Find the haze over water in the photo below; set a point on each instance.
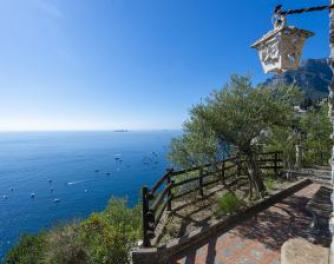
(72, 174)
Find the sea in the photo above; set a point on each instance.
(49, 178)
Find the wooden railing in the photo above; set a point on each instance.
(169, 187)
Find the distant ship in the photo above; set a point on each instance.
(121, 130)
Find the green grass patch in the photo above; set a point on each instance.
(270, 183)
(228, 204)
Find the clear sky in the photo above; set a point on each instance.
(136, 64)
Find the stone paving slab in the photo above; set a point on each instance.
(258, 240)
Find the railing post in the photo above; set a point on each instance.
(201, 182)
(169, 186)
(238, 160)
(146, 240)
(223, 172)
(275, 165)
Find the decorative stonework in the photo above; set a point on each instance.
(280, 49)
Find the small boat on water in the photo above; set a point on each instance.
(5, 197)
(32, 195)
(117, 157)
(56, 200)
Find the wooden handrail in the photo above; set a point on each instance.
(159, 198)
(159, 183)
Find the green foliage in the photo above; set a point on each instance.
(283, 139)
(238, 115)
(228, 204)
(197, 146)
(269, 182)
(314, 136)
(63, 245)
(109, 236)
(104, 237)
(317, 144)
(28, 250)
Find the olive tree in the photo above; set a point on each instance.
(239, 115)
(197, 146)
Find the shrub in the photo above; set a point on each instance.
(28, 250)
(110, 235)
(64, 246)
(104, 238)
(228, 204)
(269, 182)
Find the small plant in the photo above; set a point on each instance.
(269, 182)
(228, 204)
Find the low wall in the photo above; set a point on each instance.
(161, 254)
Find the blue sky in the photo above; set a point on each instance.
(107, 64)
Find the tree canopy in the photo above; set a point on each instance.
(317, 129)
(237, 116)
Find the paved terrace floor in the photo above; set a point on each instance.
(259, 239)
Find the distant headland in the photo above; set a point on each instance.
(121, 130)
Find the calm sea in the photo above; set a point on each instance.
(50, 177)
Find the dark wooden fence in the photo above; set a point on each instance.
(169, 187)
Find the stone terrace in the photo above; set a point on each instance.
(259, 239)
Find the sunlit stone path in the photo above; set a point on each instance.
(259, 239)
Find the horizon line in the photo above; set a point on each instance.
(118, 130)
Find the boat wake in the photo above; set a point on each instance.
(75, 182)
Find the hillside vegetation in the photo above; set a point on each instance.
(102, 238)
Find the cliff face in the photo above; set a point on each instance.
(313, 77)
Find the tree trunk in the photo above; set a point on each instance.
(250, 188)
(298, 157)
(255, 175)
